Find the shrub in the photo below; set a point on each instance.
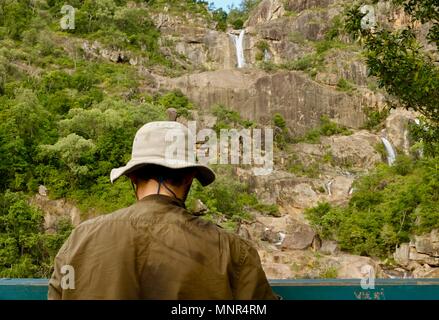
(329, 128)
(326, 128)
(237, 24)
(403, 165)
(375, 117)
(309, 63)
(281, 133)
(344, 85)
(176, 99)
(227, 119)
(279, 121)
(262, 46)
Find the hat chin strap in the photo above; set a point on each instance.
(161, 182)
(135, 191)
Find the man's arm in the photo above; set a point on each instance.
(55, 289)
(251, 282)
(99, 263)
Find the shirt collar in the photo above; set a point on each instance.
(163, 199)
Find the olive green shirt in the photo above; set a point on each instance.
(155, 249)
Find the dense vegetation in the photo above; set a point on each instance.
(392, 203)
(64, 123)
(388, 206)
(26, 249)
(66, 120)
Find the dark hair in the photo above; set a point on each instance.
(173, 176)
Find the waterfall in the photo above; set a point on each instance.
(239, 46)
(421, 150)
(267, 55)
(281, 238)
(391, 154)
(328, 187)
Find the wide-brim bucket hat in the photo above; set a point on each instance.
(167, 144)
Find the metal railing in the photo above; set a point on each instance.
(297, 289)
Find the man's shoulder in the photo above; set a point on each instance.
(120, 217)
(234, 239)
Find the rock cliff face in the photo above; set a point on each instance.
(289, 31)
(55, 210)
(257, 95)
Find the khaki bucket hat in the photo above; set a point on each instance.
(164, 143)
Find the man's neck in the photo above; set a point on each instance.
(146, 188)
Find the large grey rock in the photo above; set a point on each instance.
(397, 128)
(402, 254)
(279, 186)
(304, 196)
(286, 232)
(298, 236)
(342, 64)
(207, 49)
(329, 247)
(422, 250)
(300, 5)
(428, 244)
(426, 271)
(423, 258)
(351, 266)
(95, 50)
(254, 231)
(357, 150)
(54, 210)
(341, 186)
(277, 270)
(200, 207)
(266, 11)
(42, 191)
(272, 237)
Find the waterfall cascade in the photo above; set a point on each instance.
(239, 47)
(391, 154)
(281, 239)
(421, 150)
(328, 187)
(267, 55)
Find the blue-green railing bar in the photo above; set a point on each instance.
(297, 289)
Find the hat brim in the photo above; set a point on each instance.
(203, 174)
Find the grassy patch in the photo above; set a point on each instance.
(344, 85)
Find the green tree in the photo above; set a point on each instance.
(26, 251)
(220, 17)
(399, 61)
(15, 16)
